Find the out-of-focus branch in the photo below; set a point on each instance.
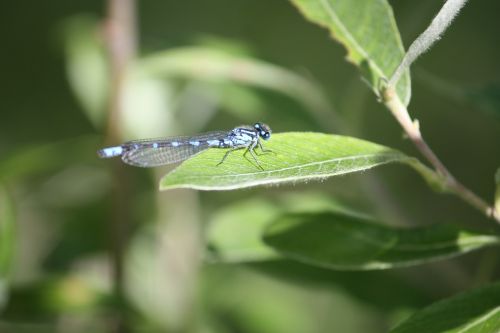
(120, 34)
(120, 38)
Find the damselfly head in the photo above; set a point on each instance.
(263, 130)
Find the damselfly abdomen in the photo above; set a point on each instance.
(156, 152)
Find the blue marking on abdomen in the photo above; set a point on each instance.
(213, 143)
(110, 152)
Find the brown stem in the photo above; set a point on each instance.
(120, 30)
(399, 111)
(120, 37)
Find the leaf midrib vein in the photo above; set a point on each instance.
(271, 172)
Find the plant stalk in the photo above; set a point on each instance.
(120, 39)
(412, 130)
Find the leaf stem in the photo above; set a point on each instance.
(412, 129)
(431, 35)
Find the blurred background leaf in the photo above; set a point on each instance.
(234, 233)
(341, 241)
(86, 64)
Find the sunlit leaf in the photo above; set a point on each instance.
(471, 312)
(368, 31)
(342, 241)
(294, 157)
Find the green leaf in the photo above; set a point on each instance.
(7, 240)
(368, 31)
(294, 157)
(471, 312)
(342, 241)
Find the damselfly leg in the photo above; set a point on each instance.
(250, 149)
(263, 150)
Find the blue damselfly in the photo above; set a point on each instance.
(156, 152)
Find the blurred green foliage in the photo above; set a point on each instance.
(57, 199)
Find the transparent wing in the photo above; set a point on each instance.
(152, 157)
(156, 152)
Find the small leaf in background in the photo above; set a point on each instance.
(471, 312)
(294, 157)
(234, 233)
(219, 67)
(7, 240)
(345, 242)
(147, 106)
(86, 65)
(368, 31)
